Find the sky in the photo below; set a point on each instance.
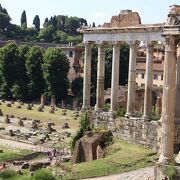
(98, 11)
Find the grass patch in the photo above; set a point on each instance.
(120, 157)
(58, 118)
(9, 154)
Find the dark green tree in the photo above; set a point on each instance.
(36, 22)
(93, 24)
(55, 71)
(45, 22)
(34, 71)
(4, 21)
(8, 57)
(47, 34)
(19, 88)
(71, 25)
(77, 89)
(23, 20)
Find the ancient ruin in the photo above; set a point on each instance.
(127, 27)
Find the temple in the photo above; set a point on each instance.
(126, 27)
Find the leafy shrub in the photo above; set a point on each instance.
(8, 173)
(106, 107)
(120, 112)
(84, 126)
(43, 174)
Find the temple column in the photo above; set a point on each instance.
(177, 106)
(115, 77)
(148, 82)
(132, 80)
(100, 77)
(87, 76)
(168, 101)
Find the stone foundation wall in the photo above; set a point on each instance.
(137, 131)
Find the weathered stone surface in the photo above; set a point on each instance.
(8, 104)
(7, 120)
(25, 166)
(29, 107)
(20, 122)
(65, 125)
(86, 147)
(40, 109)
(100, 153)
(35, 166)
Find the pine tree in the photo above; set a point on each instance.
(36, 22)
(24, 20)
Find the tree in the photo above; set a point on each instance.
(24, 20)
(47, 34)
(34, 71)
(4, 21)
(36, 22)
(77, 88)
(55, 70)
(93, 25)
(71, 25)
(45, 22)
(8, 57)
(19, 88)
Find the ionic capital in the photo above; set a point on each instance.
(134, 43)
(88, 43)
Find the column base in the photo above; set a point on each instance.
(128, 115)
(85, 108)
(98, 110)
(146, 118)
(161, 171)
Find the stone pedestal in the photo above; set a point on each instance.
(87, 76)
(115, 77)
(148, 82)
(53, 102)
(132, 80)
(168, 101)
(100, 77)
(42, 101)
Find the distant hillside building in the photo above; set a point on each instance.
(158, 65)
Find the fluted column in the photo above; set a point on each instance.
(177, 105)
(148, 82)
(100, 77)
(132, 79)
(115, 77)
(87, 76)
(168, 102)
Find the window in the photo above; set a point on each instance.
(161, 77)
(155, 77)
(70, 54)
(142, 76)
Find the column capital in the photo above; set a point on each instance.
(133, 43)
(88, 43)
(118, 43)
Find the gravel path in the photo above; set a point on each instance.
(141, 174)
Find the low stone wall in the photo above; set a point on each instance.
(137, 131)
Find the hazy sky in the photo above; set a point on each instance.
(98, 11)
